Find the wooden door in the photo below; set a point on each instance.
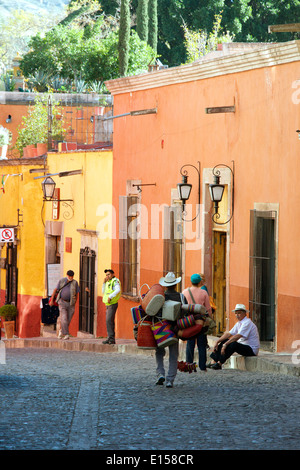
(219, 279)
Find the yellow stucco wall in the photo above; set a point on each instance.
(24, 193)
(89, 190)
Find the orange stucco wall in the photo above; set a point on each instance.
(260, 137)
(82, 127)
(16, 112)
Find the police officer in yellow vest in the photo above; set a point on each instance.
(111, 290)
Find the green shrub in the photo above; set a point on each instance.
(8, 312)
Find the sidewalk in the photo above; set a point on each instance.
(282, 363)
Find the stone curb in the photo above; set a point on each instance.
(264, 362)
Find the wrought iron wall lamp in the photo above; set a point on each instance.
(216, 190)
(48, 187)
(184, 188)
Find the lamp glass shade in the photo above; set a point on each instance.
(216, 192)
(48, 186)
(184, 191)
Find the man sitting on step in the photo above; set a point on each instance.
(243, 339)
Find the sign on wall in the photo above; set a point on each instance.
(55, 204)
(7, 235)
(53, 276)
(68, 247)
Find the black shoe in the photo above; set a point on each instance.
(108, 341)
(216, 366)
(209, 366)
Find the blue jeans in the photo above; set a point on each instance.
(201, 341)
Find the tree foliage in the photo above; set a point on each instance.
(66, 53)
(247, 20)
(153, 24)
(81, 13)
(60, 52)
(142, 20)
(124, 35)
(271, 12)
(200, 43)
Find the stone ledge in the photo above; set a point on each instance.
(264, 362)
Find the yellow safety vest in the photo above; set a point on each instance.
(109, 288)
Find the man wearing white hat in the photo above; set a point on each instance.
(243, 339)
(169, 281)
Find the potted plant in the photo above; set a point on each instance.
(79, 112)
(34, 127)
(5, 139)
(102, 104)
(71, 131)
(8, 312)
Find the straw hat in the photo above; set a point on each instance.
(169, 280)
(240, 307)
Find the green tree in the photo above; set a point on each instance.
(65, 52)
(124, 35)
(170, 46)
(140, 55)
(199, 43)
(264, 14)
(142, 20)
(60, 52)
(247, 20)
(153, 25)
(103, 64)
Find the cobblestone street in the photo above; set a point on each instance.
(61, 400)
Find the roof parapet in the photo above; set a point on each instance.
(266, 56)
